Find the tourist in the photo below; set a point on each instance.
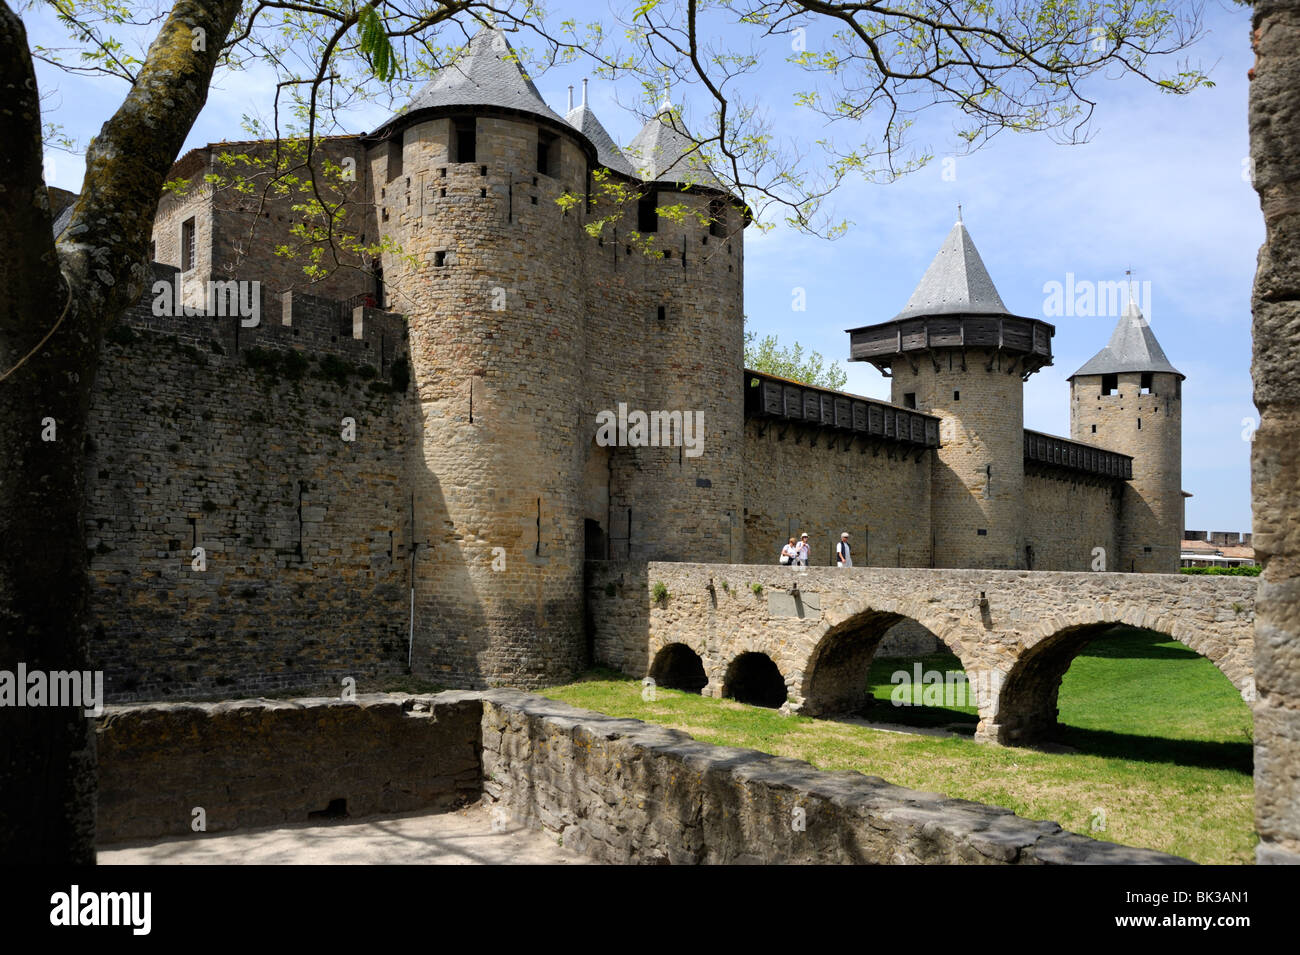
(842, 556)
(789, 552)
(803, 550)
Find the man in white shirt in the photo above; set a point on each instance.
(803, 550)
(842, 556)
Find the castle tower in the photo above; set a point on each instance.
(956, 352)
(488, 272)
(683, 303)
(1128, 398)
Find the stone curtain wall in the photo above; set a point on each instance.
(617, 789)
(1066, 516)
(305, 534)
(273, 763)
(880, 495)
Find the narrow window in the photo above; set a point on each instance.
(440, 258)
(379, 284)
(464, 137)
(548, 154)
(1146, 383)
(909, 400)
(395, 143)
(1109, 384)
(187, 245)
(717, 217)
(956, 396)
(663, 312)
(1094, 429)
(153, 252)
(1139, 424)
(647, 214)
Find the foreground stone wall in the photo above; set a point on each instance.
(617, 789)
(271, 763)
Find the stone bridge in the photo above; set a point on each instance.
(1016, 632)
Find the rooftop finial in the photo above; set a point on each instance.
(584, 91)
(570, 109)
(667, 105)
(959, 212)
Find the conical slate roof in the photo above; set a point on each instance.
(1132, 347)
(584, 121)
(664, 152)
(955, 283)
(485, 73)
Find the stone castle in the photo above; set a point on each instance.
(404, 467)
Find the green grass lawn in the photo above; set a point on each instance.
(1161, 740)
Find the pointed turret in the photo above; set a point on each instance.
(584, 121)
(955, 283)
(1132, 347)
(486, 72)
(664, 152)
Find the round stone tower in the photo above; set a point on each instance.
(1128, 398)
(488, 269)
(956, 352)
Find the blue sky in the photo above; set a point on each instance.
(1159, 189)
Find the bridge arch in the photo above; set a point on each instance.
(678, 667)
(1027, 700)
(835, 678)
(754, 678)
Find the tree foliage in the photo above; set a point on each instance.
(770, 357)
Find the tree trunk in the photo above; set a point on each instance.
(70, 293)
(1275, 465)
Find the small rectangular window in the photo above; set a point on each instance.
(1109, 384)
(663, 312)
(548, 154)
(440, 258)
(464, 140)
(956, 396)
(1146, 383)
(982, 532)
(395, 143)
(1094, 429)
(188, 245)
(647, 214)
(717, 217)
(909, 400)
(1139, 424)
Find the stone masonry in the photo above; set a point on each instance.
(1015, 632)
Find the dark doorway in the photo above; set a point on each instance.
(753, 678)
(678, 667)
(595, 544)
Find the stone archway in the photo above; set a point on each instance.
(836, 676)
(755, 679)
(1027, 700)
(678, 667)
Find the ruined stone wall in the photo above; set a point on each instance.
(275, 763)
(619, 790)
(1066, 516)
(205, 433)
(797, 483)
